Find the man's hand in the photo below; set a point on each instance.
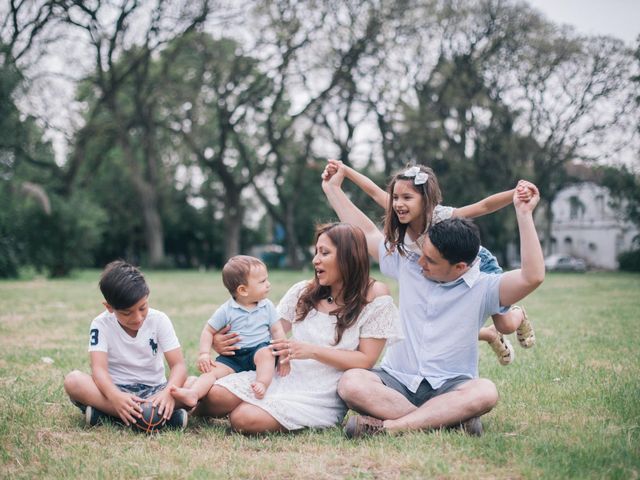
(224, 342)
(526, 197)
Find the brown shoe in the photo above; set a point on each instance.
(362, 425)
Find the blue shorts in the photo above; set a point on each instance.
(243, 361)
(488, 263)
(425, 391)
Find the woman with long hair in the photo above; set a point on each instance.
(340, 319)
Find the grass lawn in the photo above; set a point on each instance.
(570, 407)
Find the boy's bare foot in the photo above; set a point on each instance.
(259, 389)
(186, 396)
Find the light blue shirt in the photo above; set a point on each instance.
(253, 325)
(441, 321)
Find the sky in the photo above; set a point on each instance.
(618, 18)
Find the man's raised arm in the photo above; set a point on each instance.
(517, 284)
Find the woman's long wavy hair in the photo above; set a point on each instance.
(353, 261)
(394, 231)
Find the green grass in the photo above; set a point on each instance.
(569, 408)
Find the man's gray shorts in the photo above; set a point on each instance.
(424, 392)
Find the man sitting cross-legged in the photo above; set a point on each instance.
(430, 380)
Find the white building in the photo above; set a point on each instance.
(585, 226)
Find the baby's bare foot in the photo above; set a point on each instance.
(259, 389)
(185, 396)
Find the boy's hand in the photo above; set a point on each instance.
(224, 342)
(204, 362)
(165, 403)
(127, 406)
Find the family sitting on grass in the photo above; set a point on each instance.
(306, 362)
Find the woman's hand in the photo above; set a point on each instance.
(224, 342)
(290, 349)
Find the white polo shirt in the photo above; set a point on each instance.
(138, 359)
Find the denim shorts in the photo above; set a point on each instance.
(488, 263)
(139, 389)
(424, 392)
(243, 361)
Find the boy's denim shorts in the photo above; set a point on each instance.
(488, 263)
(139, 389)
(425, 391)
(243, 361)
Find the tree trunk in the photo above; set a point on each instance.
(233, 215)
(291, 241)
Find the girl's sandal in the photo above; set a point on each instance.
(503, 349)
(526, 335)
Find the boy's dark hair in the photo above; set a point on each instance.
(457, 239)
(122, 285)
(236, 271)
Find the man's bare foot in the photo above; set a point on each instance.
(186, 396)
(259, 389)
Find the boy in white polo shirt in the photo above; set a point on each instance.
(128, 344)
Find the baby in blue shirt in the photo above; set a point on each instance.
(254, 318)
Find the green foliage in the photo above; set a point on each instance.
(624, 187)
(65, 238)
(629, 261)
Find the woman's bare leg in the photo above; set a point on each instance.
(249, 419)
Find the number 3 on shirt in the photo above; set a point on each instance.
(94, 336)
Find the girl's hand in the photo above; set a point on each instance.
(224, 342)
(204, 362)
(289, 349)
(165, 403)
(526, 206)
(128, 407)
(525, 190)
(333, 173)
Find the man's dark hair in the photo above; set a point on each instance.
(122, 285)
(457, 239)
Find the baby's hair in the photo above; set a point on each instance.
(122, 285)
(394, 231)
(236, 271)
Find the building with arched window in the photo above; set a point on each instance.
(586, 226)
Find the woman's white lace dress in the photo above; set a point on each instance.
(308, 397)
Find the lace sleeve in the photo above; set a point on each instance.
(287, 305)
(380, 319)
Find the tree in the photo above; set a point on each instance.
(125, 85)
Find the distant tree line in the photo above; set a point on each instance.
(202, 127)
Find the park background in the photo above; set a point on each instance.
(175, 134)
